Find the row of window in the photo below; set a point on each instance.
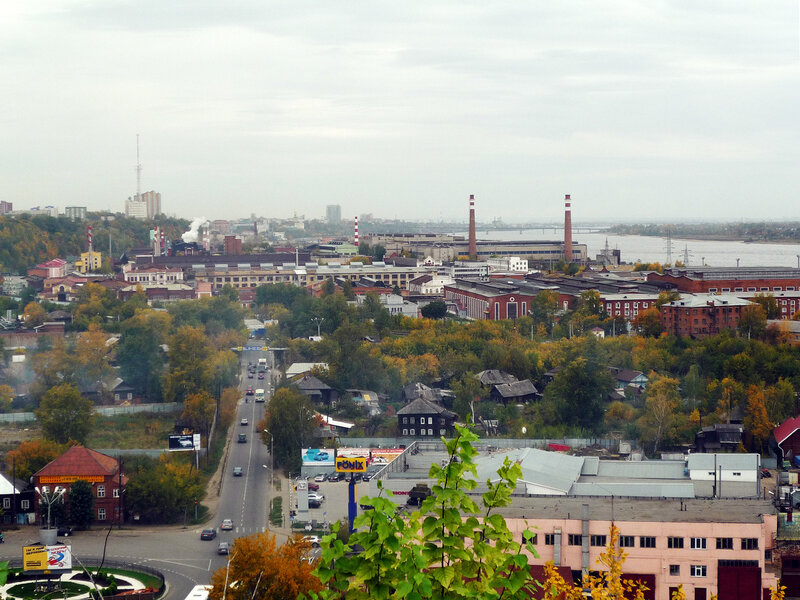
(101, 491)
(413, 431)
(751, 289)
(23, 504)
(647, 541)
(421, 420)
(694, 570)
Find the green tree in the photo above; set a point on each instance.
(199, 410)
(666, 297)
(769, 304)
(161, 491)
(81, 503)
(434, 310)
(291, 423)
(188, 354)
(753, 322)
(578, 393)
(779, 400)
(660, 406)
(140, 354)
(65, 415)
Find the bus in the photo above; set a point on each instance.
(259, 395)
(199, 592)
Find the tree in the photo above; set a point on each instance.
(264, 571)
(756, 420)
(161, 491)
(91, 358)
(291, 423)
(65, 415)
(140, 354)
(6, 397)
(81, 503)
(434, 310)
(32, 455)
(661, 403)
(666, 297)
(578, 392)
(199, 410)
(779, 400)
(189, 352)
(34, 315)
(753, 321)
(648, 323)
(769, 304)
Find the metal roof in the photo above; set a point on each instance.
(707, 462)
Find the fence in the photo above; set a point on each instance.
(106, 411)
(500, 443)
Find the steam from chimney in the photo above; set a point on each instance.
(193, 233)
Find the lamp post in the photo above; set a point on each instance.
(271, 460)
(318, 321)
(49, 499)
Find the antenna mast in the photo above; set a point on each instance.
(138, 171)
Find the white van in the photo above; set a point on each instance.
(259, 395)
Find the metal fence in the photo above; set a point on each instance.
(106, 411)
(436, 444)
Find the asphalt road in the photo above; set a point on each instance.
(178, 552)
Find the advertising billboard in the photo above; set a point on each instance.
(189, 441)
(317, 457)
(47, 559)
(352, 452)
(383, 456)
(351, 464)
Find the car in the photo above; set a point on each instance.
(249, 375)
(320, 477)
(64, 531)
(223, 548)
(765, 473)
(242, 438)
(261, 376)
(238, 471)
(313, 486)
(227, 525)
(336, 476)
(249, 392)
(321, 456)
(314, 540)
(316, 496)
(243, 422)
(208, 534)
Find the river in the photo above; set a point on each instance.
(639, 248)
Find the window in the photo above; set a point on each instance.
(115, 493)
(647, 541)
(597, 540)
(549, 539)
(101, 514)
(442, 432)
(534, 539)
(726, 289)
(413, 432)
(101, 491)
(698, 543)
(405, 420)
(675, 570)
(712, 290)
(724, 543)
(749, 543)
(405, 431)
(674, 542)
(697, 570)
(7, 505)
(430, 431)
(430, 420)
(575, 539)
(627, 541)
(738, 289)
(25, 505)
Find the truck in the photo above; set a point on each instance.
(259, 395)
(262, 362)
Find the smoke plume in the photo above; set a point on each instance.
(191, 235)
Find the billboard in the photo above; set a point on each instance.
(317, 457)
(189, 441)
(352, 452)
(49, 559)
(383, 456)
(351, 464)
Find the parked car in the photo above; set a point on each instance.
(336, 476)
(313, 486)
(208, 534)
(314, 540)
(312, 503)
(64, 531)
(320, 477)
(227, 525)
(238, 471)
(316, 496)
(223, 548)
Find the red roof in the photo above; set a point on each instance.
(56, 262)
(786, 429)
(79, 461)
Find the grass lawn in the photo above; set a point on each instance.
(135, 430)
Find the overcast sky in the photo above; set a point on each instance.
(641, 109)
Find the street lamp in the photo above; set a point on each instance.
(49, 499)
(318, 321)
(271, 460)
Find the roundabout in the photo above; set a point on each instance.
(78, 585)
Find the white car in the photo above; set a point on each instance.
(314, 540)
(243, 422)
(320, 477)
(227, 525)
(316, 496)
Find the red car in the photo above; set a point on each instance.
(249, 392)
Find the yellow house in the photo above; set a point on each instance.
(88, 262)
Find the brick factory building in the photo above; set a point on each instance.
(729, 280)
(702, 316)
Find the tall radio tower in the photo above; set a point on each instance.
(138, 171)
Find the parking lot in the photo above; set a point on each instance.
(334, 506)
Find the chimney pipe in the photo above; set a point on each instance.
(568, 258)
(473, 242)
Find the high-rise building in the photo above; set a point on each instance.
(333, 214)
(144, 206)
(233, 245)
(6, 207)
(76, 213)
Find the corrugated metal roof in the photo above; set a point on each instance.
(545, 469)
(639, 489)
(649, 469)
(707, 462)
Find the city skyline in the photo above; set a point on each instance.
(640, 112)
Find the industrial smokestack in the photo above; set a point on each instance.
(156, 242)
(89, 236)
(568, 258)
(355, 236)
(473, 241)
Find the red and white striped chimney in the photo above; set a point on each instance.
(473, 240)
(568, 257)
(355, 237)
(89, 236)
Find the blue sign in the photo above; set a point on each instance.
(254, 348)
